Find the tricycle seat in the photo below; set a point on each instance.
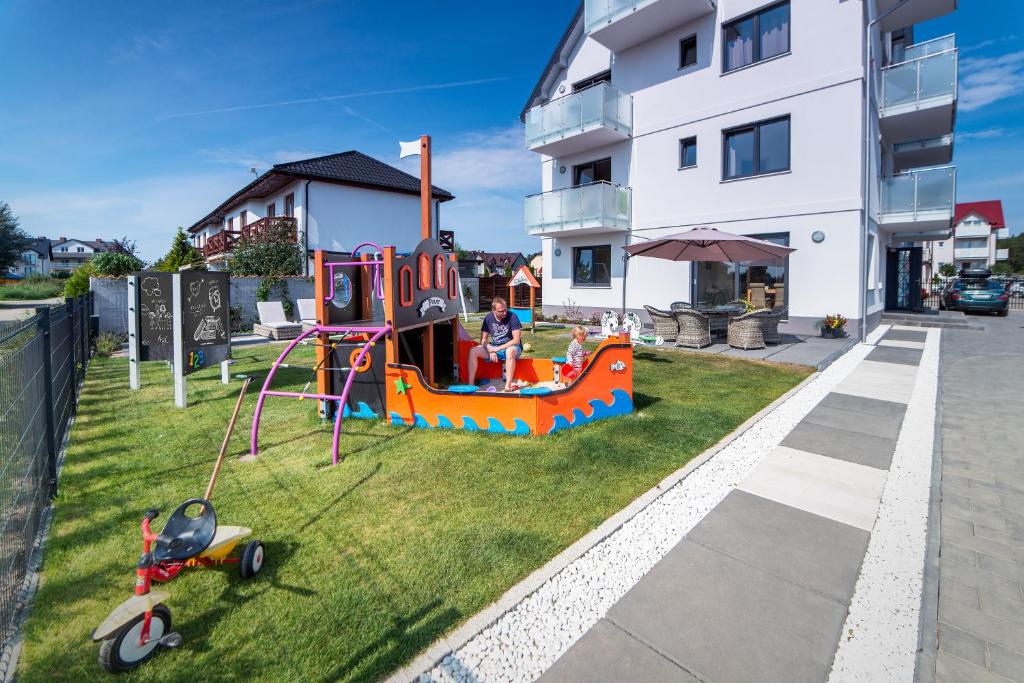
(186, 536)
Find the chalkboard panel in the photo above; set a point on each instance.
(205, 319)
(156, 335)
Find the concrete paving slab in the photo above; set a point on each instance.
(724, 620)
(887, 426)
(901, 344)
(607, 653)
(865, 406)
(894, 390)
(913, 334)
(889, 354)
(864, 449)
(837, 490)
(884, 370)
(804, 548)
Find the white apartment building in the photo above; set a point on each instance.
(977, 227)
(34, 259)
(333, 202)
(656, 116)
(68, 253)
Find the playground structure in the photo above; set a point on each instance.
(389, 345)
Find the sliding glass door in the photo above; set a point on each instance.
(765, 284)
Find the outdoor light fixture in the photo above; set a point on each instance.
(818, 236)
(558, 252)
(561, 169)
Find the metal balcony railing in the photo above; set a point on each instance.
(600, 106)
(597, 205)
(928, 191)
(927, 74)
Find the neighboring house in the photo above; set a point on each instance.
(536, 262)
(977, 227)
(333, 202)
(69, 253)
(34, 259)
(497, 262)
(655, 117)
(471, 266)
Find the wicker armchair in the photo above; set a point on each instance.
(665, 325)
(681, 305)
(770, 325)
(744, 331)
(757, 295)
(694, 328)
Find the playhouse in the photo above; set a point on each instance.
(389, 345)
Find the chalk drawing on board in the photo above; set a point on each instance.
(193, 289)
(151, 286)
(209, 329)
(215, 297)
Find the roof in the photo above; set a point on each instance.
(96, 245)
(346, 168)
(40, 245)
(556, 60)
(991, 210)
(498, 256)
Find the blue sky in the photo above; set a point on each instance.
(133, 118)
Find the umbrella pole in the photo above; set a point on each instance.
(625, 268)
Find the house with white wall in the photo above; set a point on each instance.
(653, 117)
(332, 202)
(34, 259)
(68, 253)
(977, 228)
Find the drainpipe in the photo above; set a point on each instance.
(866, 123)
(305, 230)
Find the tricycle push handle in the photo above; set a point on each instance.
(151, 514)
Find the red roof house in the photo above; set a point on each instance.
(991, 211)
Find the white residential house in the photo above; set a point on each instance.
(333, 202)
(653, 117)
(69, 253)
(34, 259)
(978, 227)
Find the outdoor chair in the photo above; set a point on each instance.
(694, 328)
(770, 325)
(307, 313)
(665, 325)
(273, 324)
(744, 331)
(780, 298)
(680, 305)
(757, 295)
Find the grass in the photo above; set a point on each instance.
(33, 288)
(368, 562)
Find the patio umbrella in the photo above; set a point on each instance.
(709, 244)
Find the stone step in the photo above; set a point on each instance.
(930, 321)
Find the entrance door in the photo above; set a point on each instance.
(903, 279)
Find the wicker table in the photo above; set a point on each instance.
(718, 316)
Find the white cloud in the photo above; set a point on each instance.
(261, 162)
(984, 80)
(985, 134)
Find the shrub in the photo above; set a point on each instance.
(34, 287)
(108, 342)
(116, 264)
(78, 283)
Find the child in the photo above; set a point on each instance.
(576, 354)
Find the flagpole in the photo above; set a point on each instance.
(425, 192)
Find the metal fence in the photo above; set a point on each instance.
(932, 293)
(42, 363)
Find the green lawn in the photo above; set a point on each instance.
(368, 562)
(33, 288)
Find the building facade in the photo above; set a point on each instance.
(977, 228)
(654, 117)
(333, 203)
(67, 254)
(34, 259)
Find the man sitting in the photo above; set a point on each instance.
(500, 340)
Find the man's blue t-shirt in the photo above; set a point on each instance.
(500, 332)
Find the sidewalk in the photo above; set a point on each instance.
(760, 589)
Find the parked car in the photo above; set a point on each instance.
(976, 290)
(1016, 289)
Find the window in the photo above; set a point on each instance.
(29, 257)
(80, 250)
(941, 244)
(271, 210)
(603, 77)
(63, 248)
(592, 172)
(241, 218)
(688, 152)
(289, 205)
(687, 52)
(756, 149)
(592, 266)
(717, 283)
(231, 224)
(756, 37)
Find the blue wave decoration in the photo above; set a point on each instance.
(493, 424)
(420, 421)
(521, 428)
(397, 420)
(621, 404)
(444, 423)
(365, 412)
(469, 424)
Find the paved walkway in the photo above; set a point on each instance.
(761, 588)
(980, 629)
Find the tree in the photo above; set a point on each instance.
(13, 239)
(181, 254)
(272, 252)
(947, 270)
(115, 264)
(124, 246)
(1002, 268)
(1015, 245)
(78, 283)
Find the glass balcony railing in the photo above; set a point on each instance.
(1002, 254)
(928, 191)
(597, 205)
(601, 12)
(929, 73)
(599, 106)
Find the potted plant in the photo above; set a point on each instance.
(834, 326)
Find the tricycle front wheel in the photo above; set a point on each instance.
(252, 560)
(122, 651)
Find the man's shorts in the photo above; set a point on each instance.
(519, 352)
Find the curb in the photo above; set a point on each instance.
(449, 643)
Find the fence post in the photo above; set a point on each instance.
(51, 446)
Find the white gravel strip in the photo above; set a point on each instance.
(880, 638)
(523, 642)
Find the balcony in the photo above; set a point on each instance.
(919, 94)
(919, 153)
(970, 253)
(1002, 254)
(912, 12)
(593, 117)
(621, 24)
(597, 207)
(223, 242)
(919, 204)
(973, 230)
